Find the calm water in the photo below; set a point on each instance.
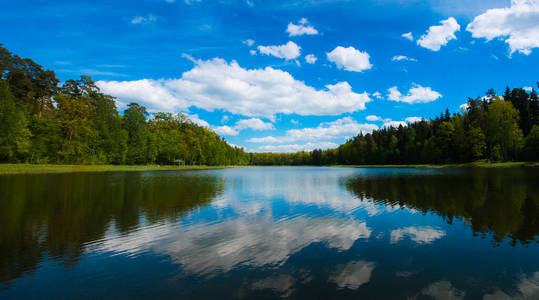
(298, 232)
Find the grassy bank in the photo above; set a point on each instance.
(480, 164)
(31, 168)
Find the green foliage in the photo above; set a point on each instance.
(14, 132)
(77, 124)
(502, 128)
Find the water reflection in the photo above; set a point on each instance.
(503, 202)
(55, 216)
(272, 232)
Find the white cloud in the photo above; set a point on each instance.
(402, 57)
(225, 130)
(143, 20)
(350, 59)
(408, 36)
(464, 106)
(373, 118)
(217, 84)
(310, 58)
(420, 235)
(528, 89)
(353, 274)
(225, 118)
(413, 119)
(254, 124)
(287, 51)
(195, 119)
(294, 122)
(297, 147)
(301, 28)
(518, 25)
(252, 52)
(249, 42)
(377, 95)
(391, 123)
(341, 128)
(153, 94)
(439, 35)
(417, 94)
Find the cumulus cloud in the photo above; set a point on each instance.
(225, 130)
(341, 128)
(417, 94)
(517, 25)
(408, 36)
(377, 95)
(391, 123)
(373, 118)
(310, 59)
(350, 59)
(195, 119)
(439, 35)
(249, 42)
(301, 28)
(528, 89)
(413, 119)
(143, 19)
(254, 124)
(288, 148)
(402, 57)
(217, 84)
(287, 51)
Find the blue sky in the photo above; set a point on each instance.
(247, 69)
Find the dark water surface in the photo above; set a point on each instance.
(254, 233)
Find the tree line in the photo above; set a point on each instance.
(492, 128)
(43, 122)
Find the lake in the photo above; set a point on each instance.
(272, 232)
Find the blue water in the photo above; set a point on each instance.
(272, 232)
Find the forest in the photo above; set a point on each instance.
(491, 128)
(42, 122)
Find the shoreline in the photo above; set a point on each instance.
(462, 165)
(10, 169)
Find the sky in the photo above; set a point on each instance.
(282, 76)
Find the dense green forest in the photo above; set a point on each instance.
(42, 121)
(491, 128)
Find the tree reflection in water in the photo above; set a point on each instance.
(55, 216)
(504, 202)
